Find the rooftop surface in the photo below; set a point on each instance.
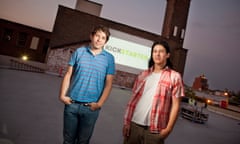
(30, 113)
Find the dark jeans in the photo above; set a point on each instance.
(79, 122)
(142, 135)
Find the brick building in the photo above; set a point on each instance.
(17, 40)
(200, 83)
(73, 26)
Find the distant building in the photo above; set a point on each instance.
(17, 40)
(213, 99)
(200, 83)
(72, 28)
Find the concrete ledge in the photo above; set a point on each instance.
(11, 62)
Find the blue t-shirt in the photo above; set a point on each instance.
(89, 74)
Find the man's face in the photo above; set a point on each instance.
(160, 55)
(98, 40)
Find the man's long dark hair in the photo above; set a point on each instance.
(166, 46)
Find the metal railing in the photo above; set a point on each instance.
(19, 65)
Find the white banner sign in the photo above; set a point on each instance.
(128, 53)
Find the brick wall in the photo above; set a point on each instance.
(58, 58)
(124, 79)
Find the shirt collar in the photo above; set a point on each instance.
(103, 52)
(150, 70)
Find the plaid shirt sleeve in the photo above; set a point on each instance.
(178, 86)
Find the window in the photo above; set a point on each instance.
(45, 46)
(182, 34)
(175, 31)
(34, 43)
(7, 34)
(22, 39)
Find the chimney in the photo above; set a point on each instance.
(89, 7)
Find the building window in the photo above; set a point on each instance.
(45, 46)
(34, 43)
(7, 34)
(182, 34)
(175, 31)
(22, 39)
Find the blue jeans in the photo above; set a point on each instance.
(79, 122)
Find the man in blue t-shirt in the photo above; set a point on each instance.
(86, 86)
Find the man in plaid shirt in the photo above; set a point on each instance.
(153, 109)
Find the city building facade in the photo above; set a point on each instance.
(72, 28)
(19, 40)
(200, 83)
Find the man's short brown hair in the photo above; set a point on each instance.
(103, 29)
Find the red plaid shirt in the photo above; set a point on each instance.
(170, 85)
